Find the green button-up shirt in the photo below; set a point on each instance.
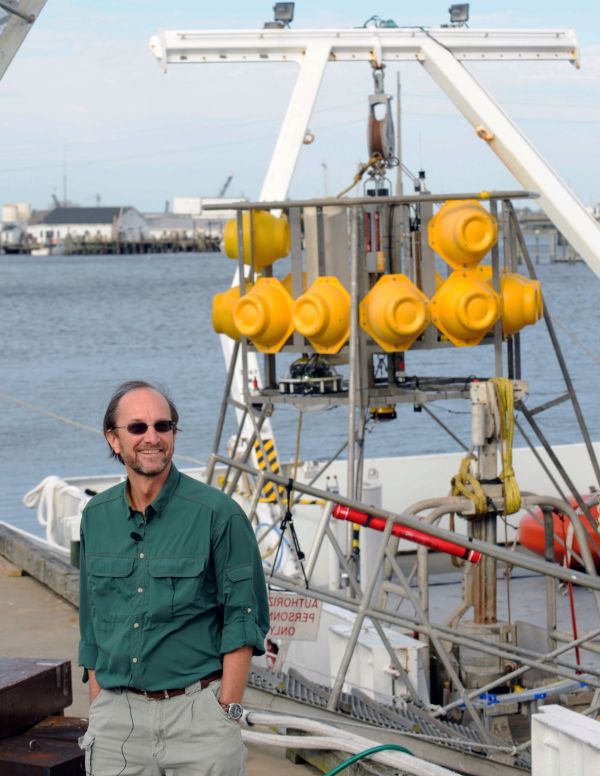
(161, 611)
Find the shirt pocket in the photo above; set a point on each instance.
(110, 584)
(176, 587)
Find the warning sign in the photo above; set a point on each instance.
(294, 617)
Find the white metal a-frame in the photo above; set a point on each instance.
(16, 19)
(441, 52)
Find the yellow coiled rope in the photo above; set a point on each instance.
(506, 406)
(466, 484)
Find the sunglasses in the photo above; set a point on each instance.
(138, 428)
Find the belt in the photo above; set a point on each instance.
(161, 695)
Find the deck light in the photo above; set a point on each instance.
(459, 13)
(283, 14)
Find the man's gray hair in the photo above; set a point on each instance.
(110, 416)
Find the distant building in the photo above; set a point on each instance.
(13, 225)
(211, 222)
(89, 223)
(170, 226)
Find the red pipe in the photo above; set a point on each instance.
(402, 531)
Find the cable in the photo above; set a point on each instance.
(76, 423)
(367, 752)
(361, 171)
(127, 737)
(576, 339)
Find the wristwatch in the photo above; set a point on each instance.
(233, 710)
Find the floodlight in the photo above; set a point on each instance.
(284, 12)
(459, 13)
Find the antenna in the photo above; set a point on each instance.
(64, 197)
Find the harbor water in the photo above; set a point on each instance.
(74, 327)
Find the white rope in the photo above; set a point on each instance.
(331, 737)
(45, 496)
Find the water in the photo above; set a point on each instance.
(73, 327)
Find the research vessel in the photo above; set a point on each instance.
(402, 602)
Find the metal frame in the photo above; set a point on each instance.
(366, 601)
(371, 598)
(20, 20)
(441, 52)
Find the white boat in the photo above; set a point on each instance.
(452, 662)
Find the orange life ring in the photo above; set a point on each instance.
(531, 534)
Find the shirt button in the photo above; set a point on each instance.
(140, 589)
(134, 660)
(136, 625)
(141, 555)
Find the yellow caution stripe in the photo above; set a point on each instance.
(268, 461)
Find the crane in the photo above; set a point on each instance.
(225, 186)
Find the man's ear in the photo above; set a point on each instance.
(113, 441)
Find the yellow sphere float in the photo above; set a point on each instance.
(322, 315)
(462, 232)
(222, 311)
(264, 315)
(522, 302)
(394, 313)
(466, 307)
(271, 238)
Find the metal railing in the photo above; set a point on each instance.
(362, 598)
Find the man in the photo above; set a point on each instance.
(172, 606)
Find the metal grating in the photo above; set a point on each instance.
(357, 705)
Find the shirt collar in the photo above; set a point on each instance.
(167, 491)
(163, 498)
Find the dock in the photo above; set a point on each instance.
(38, 623)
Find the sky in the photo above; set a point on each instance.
(84, 95)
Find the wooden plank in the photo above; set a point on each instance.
(40, 562)
(8, 569)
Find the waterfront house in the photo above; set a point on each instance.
(89, 224)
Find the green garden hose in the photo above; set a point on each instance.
(355, 758)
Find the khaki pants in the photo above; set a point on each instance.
(190, 735)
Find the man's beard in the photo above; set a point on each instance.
(138, 466)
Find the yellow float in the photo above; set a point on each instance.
(271, 238)
(222, 311)
(462, 232)
(394, 313)
(264, 315)
(466, 307)
(322, 315)
(522, 300)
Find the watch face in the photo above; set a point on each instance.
(235, 711)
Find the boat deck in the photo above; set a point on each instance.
(37, 623)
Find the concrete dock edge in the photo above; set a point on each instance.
(40, 562)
